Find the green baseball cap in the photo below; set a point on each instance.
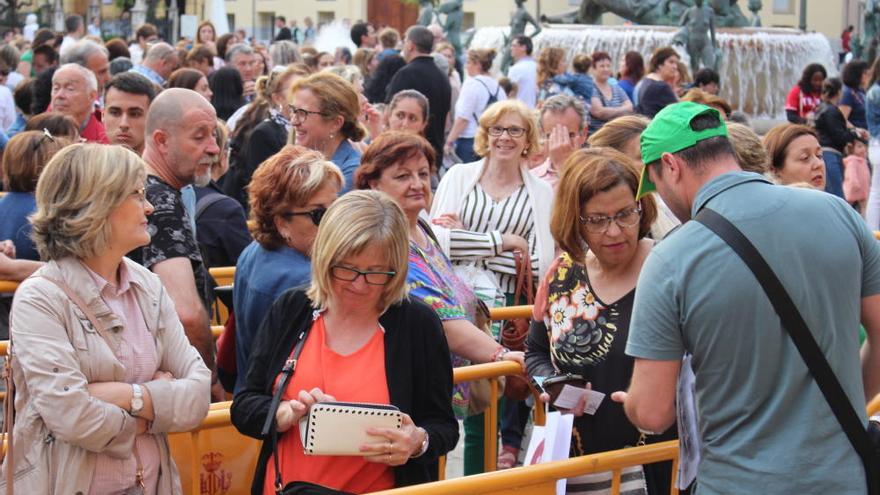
(670, 132)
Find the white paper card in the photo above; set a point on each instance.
(594, 400)
(569, 397)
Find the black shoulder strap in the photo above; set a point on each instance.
(809, 349)
(269, 425)
(428, 230)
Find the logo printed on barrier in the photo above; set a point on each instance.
(216, 481)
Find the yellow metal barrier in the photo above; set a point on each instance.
(541, 479)
(877, 234)
(8, 286)
(223, 276)
(510, 312)
(222, 457)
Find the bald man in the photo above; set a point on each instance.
(179, 150)
(74, 89)
(159, 62)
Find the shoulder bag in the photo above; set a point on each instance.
(515, 331)
(865, 442)
(270, 430)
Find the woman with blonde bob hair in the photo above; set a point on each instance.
(324, 110)
(365, 342)
(289, 195)
(486, 210)
(584, 303)
(106, 399)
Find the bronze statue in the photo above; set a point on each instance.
(452, 26)
(755, 7)
(518, 23)
(698, 35)
(650, 12)
(426, 12)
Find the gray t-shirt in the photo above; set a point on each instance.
(763, 423)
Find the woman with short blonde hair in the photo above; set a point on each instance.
(365, 342)
(325, 111)
(487, 210)
(622, 134)
(120, 393)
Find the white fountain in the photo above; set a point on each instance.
(758, 65)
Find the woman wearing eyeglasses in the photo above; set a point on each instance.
(485, 210)
(324, 111)
(584, 303)
(366, 341)
(289, 194)
(398, 164)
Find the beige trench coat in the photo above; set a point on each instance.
(59, 427)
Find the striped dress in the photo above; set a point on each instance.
(484, 221)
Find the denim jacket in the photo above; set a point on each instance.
(872, 110)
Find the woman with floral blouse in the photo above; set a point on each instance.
(584, 303)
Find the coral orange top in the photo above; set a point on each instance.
(357, 377)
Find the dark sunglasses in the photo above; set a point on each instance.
(316, 215)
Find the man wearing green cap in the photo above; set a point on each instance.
(763, 423)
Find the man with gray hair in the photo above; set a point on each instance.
(159, 62)
(421, 74)
(179, 150)
(564, 130)
(92, 56)
(74, 89)
(242, 58)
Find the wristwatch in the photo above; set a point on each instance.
(424, 447)
(137, 399)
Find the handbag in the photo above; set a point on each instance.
(515, 331)
(270, 430)
(865, 442)
(340, 428)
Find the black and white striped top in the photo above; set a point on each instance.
(485, 220)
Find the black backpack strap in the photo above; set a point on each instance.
(491, 96)
(797, 329)
(206, 201)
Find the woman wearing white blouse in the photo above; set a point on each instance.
(485, 210)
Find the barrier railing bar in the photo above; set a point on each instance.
(551, 471)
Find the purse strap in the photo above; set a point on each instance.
(269, 426)
(524, 282)
(797, 329)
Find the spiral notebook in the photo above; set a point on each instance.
(340, 428)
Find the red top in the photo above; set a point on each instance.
(94, 131)
(803, 104)
(357, 377)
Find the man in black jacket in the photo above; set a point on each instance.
(420, 73)
(283, 31)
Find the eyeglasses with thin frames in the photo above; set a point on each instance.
(301, 114)
(316, 215)
(141, 195)
(512, 131)
(347, 274)
(598, 224)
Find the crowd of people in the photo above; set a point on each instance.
(374, 204)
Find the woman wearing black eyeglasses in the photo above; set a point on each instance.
(365, 342)
(324, 111)
(584, 303)
(289, 194)
(484, 211)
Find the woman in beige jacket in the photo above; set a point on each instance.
(102, 367)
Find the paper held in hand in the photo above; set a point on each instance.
(570, 396)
